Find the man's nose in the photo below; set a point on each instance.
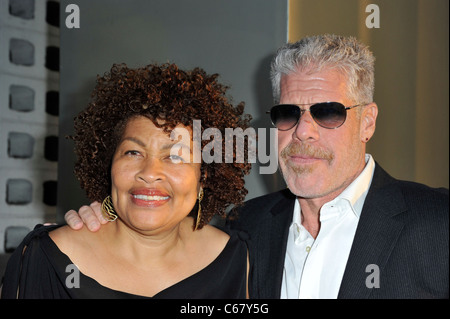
(306, 128)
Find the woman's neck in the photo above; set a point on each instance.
(154, 246)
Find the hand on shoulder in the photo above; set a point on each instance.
(91, 216)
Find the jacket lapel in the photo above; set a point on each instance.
(376, 235)
(274, 239)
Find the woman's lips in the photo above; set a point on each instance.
(149, 197)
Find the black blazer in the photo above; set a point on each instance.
(403, 229)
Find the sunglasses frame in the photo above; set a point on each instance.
(302, 111)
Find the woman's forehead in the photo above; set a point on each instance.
(143, 129)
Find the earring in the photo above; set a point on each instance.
(108, 209)
(199, 212)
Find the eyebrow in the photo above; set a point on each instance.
(167, 146)
(132, 139)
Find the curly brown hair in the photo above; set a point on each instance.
(175, 96)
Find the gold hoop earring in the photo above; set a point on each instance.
(199, 212)
(108, 209)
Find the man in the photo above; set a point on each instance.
(344, 228)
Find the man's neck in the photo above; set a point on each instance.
(310, 207)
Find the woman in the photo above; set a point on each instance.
(158, 199)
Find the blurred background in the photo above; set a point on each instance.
(49, 61)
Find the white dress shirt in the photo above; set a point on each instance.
(314, 268)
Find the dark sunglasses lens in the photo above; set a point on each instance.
(329, 115)
(285, 117)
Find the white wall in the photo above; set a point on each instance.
(24, 122)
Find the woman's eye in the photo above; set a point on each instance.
(132, 153)
(176, 159)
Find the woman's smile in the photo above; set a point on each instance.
(149, 197)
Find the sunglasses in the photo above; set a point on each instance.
(329, 115)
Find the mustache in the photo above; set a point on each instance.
(296, 148)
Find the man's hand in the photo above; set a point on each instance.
(90, 215)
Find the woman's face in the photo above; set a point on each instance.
(152, 190)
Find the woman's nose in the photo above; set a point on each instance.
(151, 170)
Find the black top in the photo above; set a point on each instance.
(45, 272)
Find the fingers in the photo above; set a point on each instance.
(97, 208)
(73, 220)
(90, 215)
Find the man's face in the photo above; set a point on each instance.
(317, 162)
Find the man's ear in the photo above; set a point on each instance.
(368, 121)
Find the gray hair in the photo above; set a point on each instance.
(312, 54)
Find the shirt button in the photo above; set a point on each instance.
(308, 248)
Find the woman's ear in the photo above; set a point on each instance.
(368, 121)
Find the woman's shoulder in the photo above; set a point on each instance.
(65, 235)
(219, 241)
(209, 240)
(226, 234)
(215, 234)
(73, 242)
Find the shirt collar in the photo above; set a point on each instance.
(356, 192)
